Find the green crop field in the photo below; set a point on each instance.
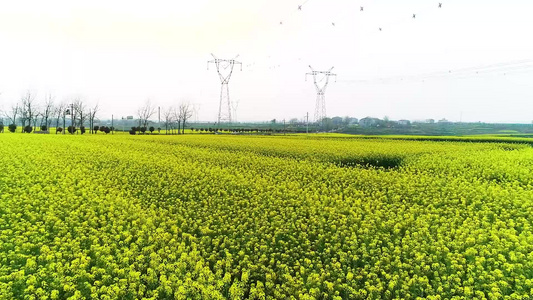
(264, 217)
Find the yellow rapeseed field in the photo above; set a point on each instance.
(264, 217)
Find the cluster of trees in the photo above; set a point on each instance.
(75, 116)
(32, 114)
(175, 118)
(143, 129)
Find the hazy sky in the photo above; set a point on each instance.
(120, 53)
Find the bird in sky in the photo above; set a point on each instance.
(414, 16)
(440, 5)
(361, 8)
(299, 7)
(333, 24)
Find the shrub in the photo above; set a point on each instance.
(28, 129)
(142, 129)
(59, 129)
(152, 128)
(1, 127)
(82, 129)
(71, 129)
(102, 128)
(96, 128)
(12, 127)
(132, 132)
(107, 130)
(44, 127)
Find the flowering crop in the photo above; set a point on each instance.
(243, 217)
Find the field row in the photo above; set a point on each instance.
(214, 217)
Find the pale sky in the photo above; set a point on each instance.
(120, 53)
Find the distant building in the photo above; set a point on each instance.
(369, 122)
(404, 122)
(444, 121)
(430, 121)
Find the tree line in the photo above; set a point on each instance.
(73, 116)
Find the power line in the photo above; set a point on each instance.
(502, 68)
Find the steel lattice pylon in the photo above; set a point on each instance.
(224, 70)
(321, 84)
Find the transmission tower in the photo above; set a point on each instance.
(321, 84)
(224, 70)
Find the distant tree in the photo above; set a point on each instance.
(107, 130)
(145, 113)
(44, 128)
(142, 129)
(152, 128)
(82, 129)
(92, 117)
(102, 128)
(12, 114)
(95, 129)
(80, 111)
(59, 129)
(27, 109)
(132, 131)
(48, 111)
(28, 129)
(167, 118)
(71, 129)
(337, 121)
(58, 113)
(12, 128)
(185, 113)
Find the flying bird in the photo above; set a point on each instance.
(361, 8)
(440, 5)
(333, 24)
(379, 28)
(299, 7)
(414, 16)
(280, 23)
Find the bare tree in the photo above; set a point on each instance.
(27, 108)
(59, 113)
(12, 115)
(185, 113)
(145, 113)
(168, 116)
(48, 111)
(35, 119)
(92, 116)
(177, 118)
(80, 111)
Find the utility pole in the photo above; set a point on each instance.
(159, 117)
(112, 131)
(72, 116)
(64, 113)
(320, 85)
(224, 66)
(307, 122)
